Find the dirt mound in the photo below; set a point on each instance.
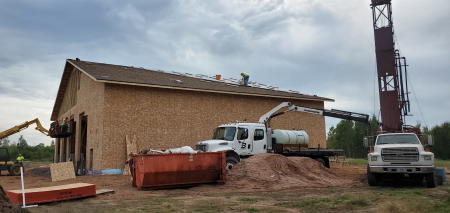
(274, 172)
(43, 171)
(6, 206)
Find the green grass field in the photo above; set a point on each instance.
(438, 162)
(442, 163)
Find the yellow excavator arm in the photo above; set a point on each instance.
(23, 126)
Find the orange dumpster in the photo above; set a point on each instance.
(178, 169)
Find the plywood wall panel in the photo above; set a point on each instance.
(90, 101)
(62, 171)
(164, 118)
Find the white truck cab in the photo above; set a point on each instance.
(399, 154)
(237, 139)
(243, 138)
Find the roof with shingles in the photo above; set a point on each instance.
(118, 74)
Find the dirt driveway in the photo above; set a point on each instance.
(354, 196)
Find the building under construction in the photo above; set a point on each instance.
(105, 103)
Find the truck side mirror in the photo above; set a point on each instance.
(366, 142)
(430, 140)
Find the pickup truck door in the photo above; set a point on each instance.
(245, 140)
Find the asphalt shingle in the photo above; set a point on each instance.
(123, 74)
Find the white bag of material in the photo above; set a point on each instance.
(175, 150)
(184, 149)
(188, 149)
(155, 152)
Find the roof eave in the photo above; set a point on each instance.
(213, 91)
(61, 90)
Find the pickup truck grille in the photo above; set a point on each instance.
(405, 154)
(201, 147)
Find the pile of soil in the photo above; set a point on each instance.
(43, 171)
(6, 206)
(274, 172)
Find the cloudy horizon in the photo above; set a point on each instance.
(323, 48)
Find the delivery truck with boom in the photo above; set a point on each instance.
(241, 140)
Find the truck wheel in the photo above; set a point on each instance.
(372, 177)
(14, 170)
(321, 161)
(431, 180)
(231, 161)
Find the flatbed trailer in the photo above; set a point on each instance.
(319, 154)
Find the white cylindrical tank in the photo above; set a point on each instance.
(297, 137)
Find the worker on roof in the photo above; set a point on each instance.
(245, 76)
(20, 158)
(64, 125)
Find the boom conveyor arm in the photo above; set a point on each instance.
(324, 112)
(23, 126)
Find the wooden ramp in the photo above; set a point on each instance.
(53, 193)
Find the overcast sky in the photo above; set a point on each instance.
(317, 47)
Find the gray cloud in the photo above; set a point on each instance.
(324, 48)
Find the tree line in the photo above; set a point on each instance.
(441, 137)
(348, 135)
(38, 152)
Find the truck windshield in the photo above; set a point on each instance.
(397, 139)
(224, 133)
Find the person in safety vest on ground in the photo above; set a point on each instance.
(246, 77)
(20, 158)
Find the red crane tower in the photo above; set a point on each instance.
(391, 69)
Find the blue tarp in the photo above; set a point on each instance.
(112, 171)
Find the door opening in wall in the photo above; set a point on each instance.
(91, 158)
(62, 143)
(72, 128)
(83, 139)
(58, 150)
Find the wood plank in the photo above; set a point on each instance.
(104, 191)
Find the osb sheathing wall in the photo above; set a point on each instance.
(90, 95)
(166, 118)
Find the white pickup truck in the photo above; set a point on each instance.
(395, 155)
